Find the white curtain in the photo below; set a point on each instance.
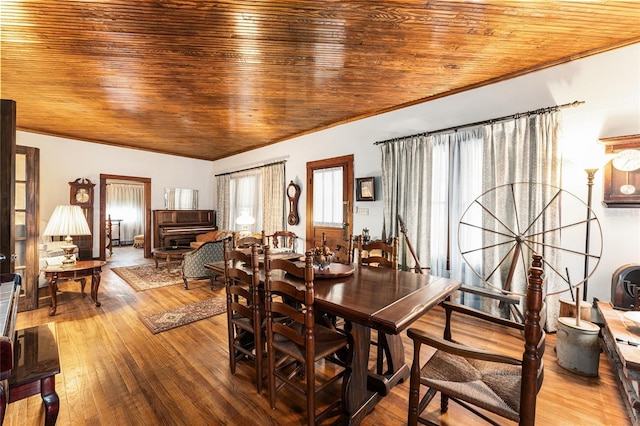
(406, 190)
(223, 184)
(526, 150)
(245, 191)
(273, 189)
(258, 193)
(466, 186)
(126, 203)
(431, 180)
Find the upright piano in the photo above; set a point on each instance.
(180, 227)
(9, 294)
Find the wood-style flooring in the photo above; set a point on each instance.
(115, 372)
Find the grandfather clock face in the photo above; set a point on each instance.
(81, 192)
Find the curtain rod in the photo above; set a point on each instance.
(252, 168)
(493, 120)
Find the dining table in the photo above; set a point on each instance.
(368, 299)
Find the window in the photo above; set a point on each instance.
(327, 197)
(246, 200)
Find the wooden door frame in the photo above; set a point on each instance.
(7, 182)
(103, 211)
(348, 179)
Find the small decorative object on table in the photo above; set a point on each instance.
(322, 257)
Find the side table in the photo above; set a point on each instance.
(170, 253)
(79, 270)
(620, 341)
(35, 364)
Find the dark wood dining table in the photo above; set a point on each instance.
(382, 299)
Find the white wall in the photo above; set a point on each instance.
(609, 83)
(65, 160)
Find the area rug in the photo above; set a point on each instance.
(172, 318)
(147, 276)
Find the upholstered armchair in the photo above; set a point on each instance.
(193, 262)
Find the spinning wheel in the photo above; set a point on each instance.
(501, 229)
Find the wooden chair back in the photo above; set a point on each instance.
(453, 361)
(282, 239)
(246, 242)
(294, 338)
(244, 308)
(344, 253)
(378, 253)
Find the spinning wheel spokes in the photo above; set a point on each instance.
(504, 226)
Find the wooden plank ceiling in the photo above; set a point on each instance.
(210, 79)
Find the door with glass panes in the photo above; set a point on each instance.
(329, 201)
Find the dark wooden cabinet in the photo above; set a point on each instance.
(180, 227)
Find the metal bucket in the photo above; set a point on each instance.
(577, 346)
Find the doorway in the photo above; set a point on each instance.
(329, 201)
(103, 211)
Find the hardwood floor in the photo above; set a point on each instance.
(115, 372)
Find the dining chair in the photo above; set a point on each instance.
(379, 254)
(247, 242)
(245, 317)
(480, 378)
(282, 240)
(344, 253)
(295, 343)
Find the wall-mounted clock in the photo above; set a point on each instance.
(293, 193)
(622, 174)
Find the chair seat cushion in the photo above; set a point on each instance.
(327, 341)
(489, 385)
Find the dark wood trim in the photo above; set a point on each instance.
(346, 160)
(103, 210)
(7, 182)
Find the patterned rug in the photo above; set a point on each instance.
(172, 318)
(146, 277)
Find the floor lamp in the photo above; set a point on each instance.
(590, 175)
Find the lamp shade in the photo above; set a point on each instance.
(67, 220)
(245, 219)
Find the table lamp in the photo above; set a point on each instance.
(67, 221)
(245, 220)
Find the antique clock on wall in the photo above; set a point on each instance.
(293, 194)
(82, 195)
(621, 186)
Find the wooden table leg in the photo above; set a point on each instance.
(358, 399)
(95, 284)
(53, 285)
(168, 263)
(50, 400)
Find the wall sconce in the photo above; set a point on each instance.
(67, 221)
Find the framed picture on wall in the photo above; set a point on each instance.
(365, 189)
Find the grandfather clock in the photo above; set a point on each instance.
(82, 195)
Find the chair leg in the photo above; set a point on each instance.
(186, 285)
(444, 403)
(259, 353)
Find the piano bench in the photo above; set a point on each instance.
(36, 363)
